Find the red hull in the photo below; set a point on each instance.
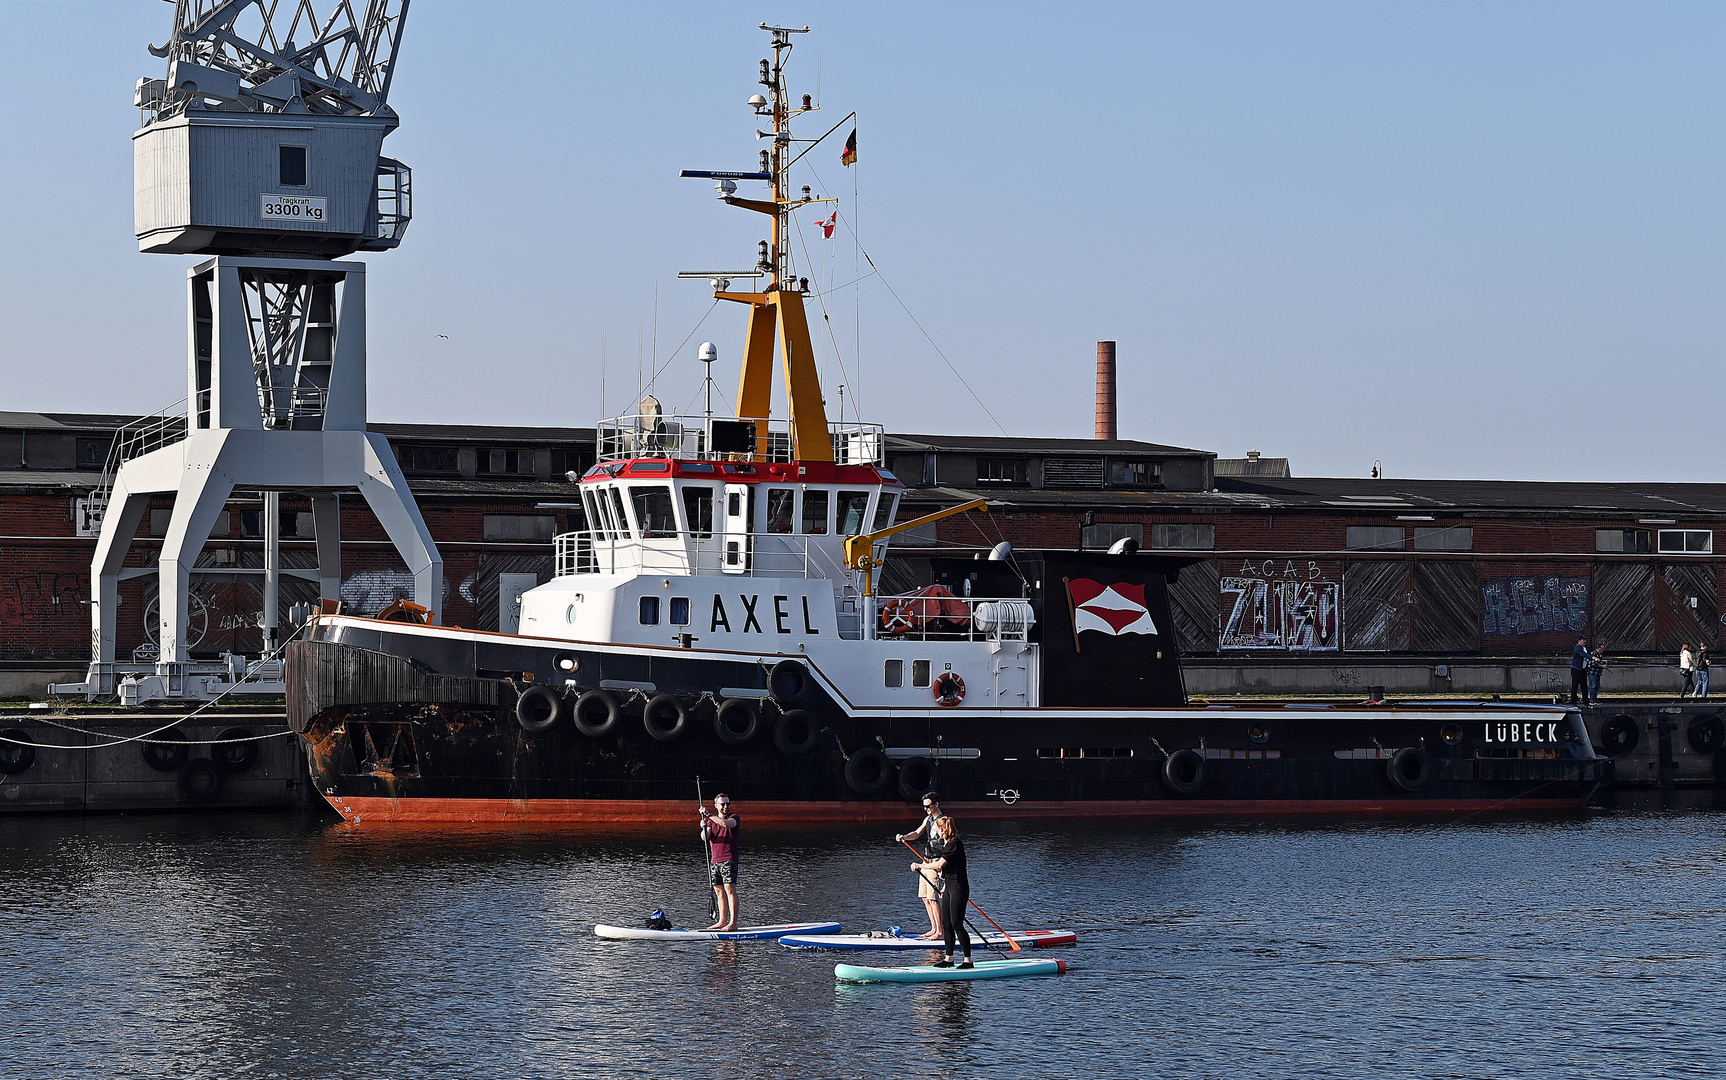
(661, 811)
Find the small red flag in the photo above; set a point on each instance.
(827, 226)
(848, 157)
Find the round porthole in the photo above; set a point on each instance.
(1451, 734)
(567, 662)
(569, 613)
(1259, 732)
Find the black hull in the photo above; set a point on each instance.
(421, 724)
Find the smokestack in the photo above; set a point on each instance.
(1105, 390)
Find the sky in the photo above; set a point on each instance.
(1466, 240)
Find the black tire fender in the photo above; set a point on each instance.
(199, 780)
(664, 717)
(917, 777)
(1620, 735)
(795, 733)
(1184, 772)
(14, 758)
(869, 772)
(1409, 769)
(168, 751)
(538, 709)
(788, 682)
(234, 757)
(736, 721)
(596, 713)
(1707, 734)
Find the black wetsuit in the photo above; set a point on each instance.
(955, 894)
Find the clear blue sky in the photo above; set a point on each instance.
(1471, 240)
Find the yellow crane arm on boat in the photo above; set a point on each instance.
(860, 550)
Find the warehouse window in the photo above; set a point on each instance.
(1184, 537)
(1012, 471)
(1686, 541)
(1443, 538)
(293, 161)
(507, 462)
(1375, 537)
(422, 460)
(93, 453)
(1629, 541)
(518, 526)
(1133, 473)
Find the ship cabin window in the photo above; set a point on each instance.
(850, 511)
(733, 504)
(598, 513)
(919, 673)
(293, 166)
(653, 514)
(619, 520)
(895, 673)
(650, 611)
(679, 614)
(781, 509)
(698, 508)
(884, 512)
(815, 511)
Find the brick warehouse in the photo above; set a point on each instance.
(1300, 585)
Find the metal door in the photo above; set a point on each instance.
(739, 545)
(509, 590)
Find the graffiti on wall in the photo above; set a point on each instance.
(42, 595)
(1280, 605)
(1534, 605)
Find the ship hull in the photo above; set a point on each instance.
(420, 724)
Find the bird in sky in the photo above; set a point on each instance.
(444, 336)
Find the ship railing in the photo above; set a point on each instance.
(590, 551)
(702, 438)
(918, 617)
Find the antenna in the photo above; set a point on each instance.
(707, 354)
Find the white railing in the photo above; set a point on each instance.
(771, 554)
(140, 437)
(949, 618)
(690, 437)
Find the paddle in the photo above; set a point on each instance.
(706, 870)
(1015, 945)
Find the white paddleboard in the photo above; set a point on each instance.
(1027, 939)
(642, 933)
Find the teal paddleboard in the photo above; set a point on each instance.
(985, 969)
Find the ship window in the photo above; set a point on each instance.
(851, 507)
(815, 512)
(919, 673)
(293, 166)
(698, 508)
(895, 673)
(1084, 751)
(653, 516)
(781, 505)
(679, 615)
(650, 611)
(619, 519)
(595, 522)
(884, 512)
(733, 504)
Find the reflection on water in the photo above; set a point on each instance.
(272, 945)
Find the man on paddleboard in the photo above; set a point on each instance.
(719, 829)
(925, 880)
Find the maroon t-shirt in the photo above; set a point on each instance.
(723, 837)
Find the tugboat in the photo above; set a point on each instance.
(719, 619)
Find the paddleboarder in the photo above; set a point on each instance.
(719, 829)
(925, 883)
(955, 890)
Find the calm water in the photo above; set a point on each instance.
(299, 946)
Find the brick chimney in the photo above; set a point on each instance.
(1105, 390)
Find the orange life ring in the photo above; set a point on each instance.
(949, 688)
(896, 617)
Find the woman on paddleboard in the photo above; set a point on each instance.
(925, 879)
(719, 829)
(955, 889)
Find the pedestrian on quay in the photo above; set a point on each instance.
(719, 829)
(955, 890)
(1686, 668)
(1579, 673)
(1596, 667)
(926, 892)
(1702, 671)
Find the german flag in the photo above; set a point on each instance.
(848, 156)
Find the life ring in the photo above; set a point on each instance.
(168, 752)
(232, 756)
(896, 617)
(918, 776)
(1620, 735)
(664, 717)
(949, 688)
(1707, 734)
(795, 733)
(735, 722)
(15, 758)
(595, 713)
(1184, 772)
(199, 780)
(538, 709)
(869, 772)
(1409, 769)
(788, 682)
